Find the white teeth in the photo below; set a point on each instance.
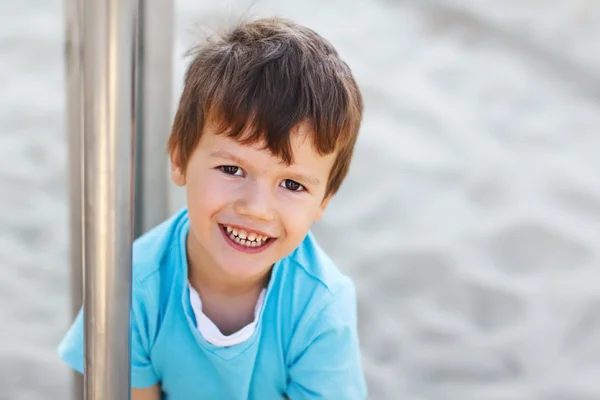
(244, 238)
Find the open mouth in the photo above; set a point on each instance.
(244, 239)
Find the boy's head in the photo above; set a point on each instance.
(270, 107)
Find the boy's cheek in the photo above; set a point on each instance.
(299, 223)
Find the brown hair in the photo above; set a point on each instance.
(261, 80)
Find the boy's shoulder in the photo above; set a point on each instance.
(160, 243)
(317, 284)
(314, 265)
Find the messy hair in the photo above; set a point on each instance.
(261, 80)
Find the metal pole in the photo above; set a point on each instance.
(155, 90)
(109, 35)
(74, 79)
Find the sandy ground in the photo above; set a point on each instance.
(470, 220)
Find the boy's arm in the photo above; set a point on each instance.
(149, 393)
(326, 360)
(143, 374)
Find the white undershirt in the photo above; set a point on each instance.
(209, 330)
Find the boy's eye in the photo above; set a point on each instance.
(291, 185)
(231, 170)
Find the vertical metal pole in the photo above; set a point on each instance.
(74, 79)
(109, 35)
(155, 72)
(154, 91)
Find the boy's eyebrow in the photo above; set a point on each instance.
(295, 176)
(304, 178)
(227, 155)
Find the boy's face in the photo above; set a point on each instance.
(238, 195)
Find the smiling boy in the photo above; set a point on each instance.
(232, 297)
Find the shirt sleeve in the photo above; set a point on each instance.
(71, 347)
(327, 361)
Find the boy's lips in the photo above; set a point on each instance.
(245, 240)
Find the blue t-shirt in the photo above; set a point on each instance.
(305, 344)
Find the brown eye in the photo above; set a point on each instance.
(293, 186)
(230, 169)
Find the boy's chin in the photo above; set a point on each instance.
(245, 272)
(244, 266)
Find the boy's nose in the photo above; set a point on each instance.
(256, 202)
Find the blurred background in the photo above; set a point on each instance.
(470, 221)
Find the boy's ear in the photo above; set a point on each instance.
(177, 174)
(322, 208)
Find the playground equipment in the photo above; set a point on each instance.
(118, 103)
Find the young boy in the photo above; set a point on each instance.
(232, 297)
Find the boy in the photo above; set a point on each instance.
(232, 297)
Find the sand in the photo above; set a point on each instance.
(470, 220)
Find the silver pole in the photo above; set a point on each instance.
(74, 79)
(155, 90)
(109, 35)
